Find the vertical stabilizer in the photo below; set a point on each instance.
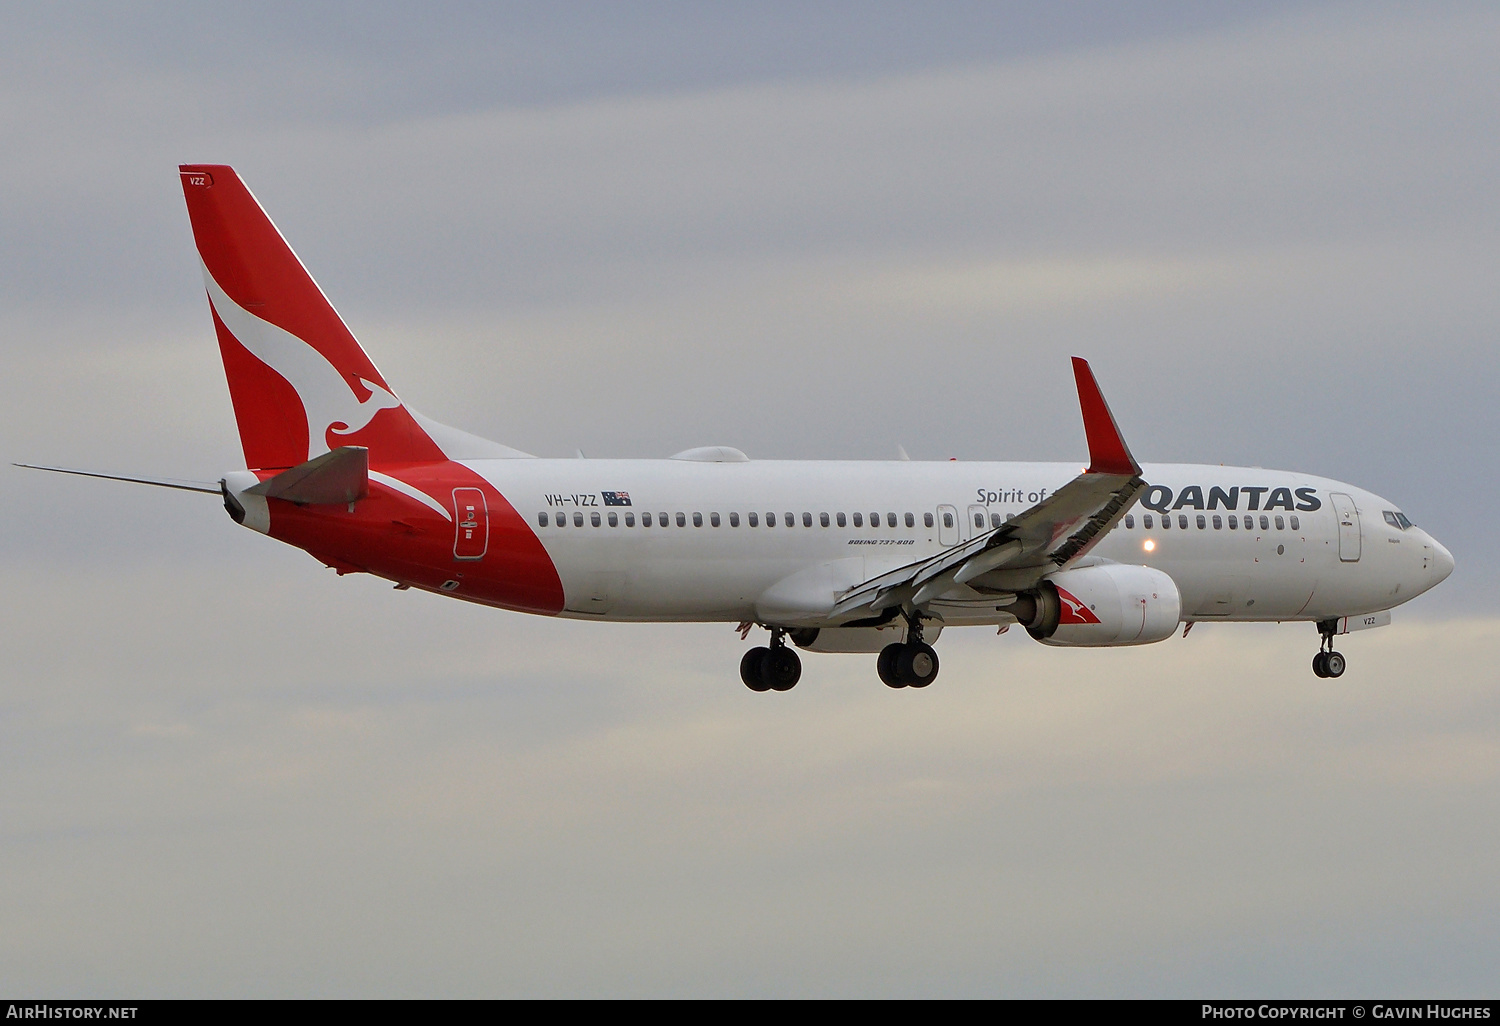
(300, 383)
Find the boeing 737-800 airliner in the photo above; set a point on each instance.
(829, 556)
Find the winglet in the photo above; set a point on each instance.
(1108, 453)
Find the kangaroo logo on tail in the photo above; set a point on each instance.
(328, 398)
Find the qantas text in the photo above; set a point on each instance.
(1161, 498)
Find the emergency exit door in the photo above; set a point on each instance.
(948, 526)
(471, 524)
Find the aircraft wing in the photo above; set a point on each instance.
(993, 566)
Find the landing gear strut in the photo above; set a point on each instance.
(912, 665)
(776, 668)
(1328, 663)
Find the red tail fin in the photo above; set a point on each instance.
(300, 383)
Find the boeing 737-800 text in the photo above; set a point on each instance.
(829, 556)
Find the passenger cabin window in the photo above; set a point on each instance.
(614, 520)
(697, 519)
(662, 519)
(979, 520)
(577, 519)
(823, 519)
(754, 519)
(807, 520)
(629, 519)
(1234, 522)
(1148, 521)
(947, 519)
(713, 519)
(841, 520)
(1202, 522)
(681, 520)
(995, 520)
(874, 519)
(788, 519)
(541, 519)
(1218, 522)
(911, 521)
(1280, 524)
(1166, 521)
(1296, 526)
(645, 519)
(734, 520)
(1249, 523)
(927, 519)
(594, 519)
(1182, 521)
(1130, 521)
(890, 520)
(859, 520)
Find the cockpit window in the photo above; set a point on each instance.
(1397, 520)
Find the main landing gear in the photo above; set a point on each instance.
(776, 668)
(910, 665)
(1328, 663)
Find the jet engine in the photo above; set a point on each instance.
(1097, 606)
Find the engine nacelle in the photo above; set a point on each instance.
(1108, 604)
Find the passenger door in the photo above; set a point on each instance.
(471, 524)
(1344, 509)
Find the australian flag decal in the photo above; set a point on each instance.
(615, 498)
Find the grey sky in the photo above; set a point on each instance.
(809, 231)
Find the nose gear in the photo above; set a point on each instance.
(1328, 663)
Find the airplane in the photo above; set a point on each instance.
(877, 557)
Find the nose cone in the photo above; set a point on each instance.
(1442, 562)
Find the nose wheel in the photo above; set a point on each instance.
(1328, 663)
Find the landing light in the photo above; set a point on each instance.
(1149, 546)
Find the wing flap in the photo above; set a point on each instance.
(1059, 530)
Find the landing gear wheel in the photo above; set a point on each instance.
(750, 669)
(781, 669)
(1333, 664)
(1320, 664)
(885, 665)
(917, 665)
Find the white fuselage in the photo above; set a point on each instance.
(717, 557)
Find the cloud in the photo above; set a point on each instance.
(340, 789)
(230, 772)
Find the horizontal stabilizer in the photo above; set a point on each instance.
(159, 482)
(334, 478)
